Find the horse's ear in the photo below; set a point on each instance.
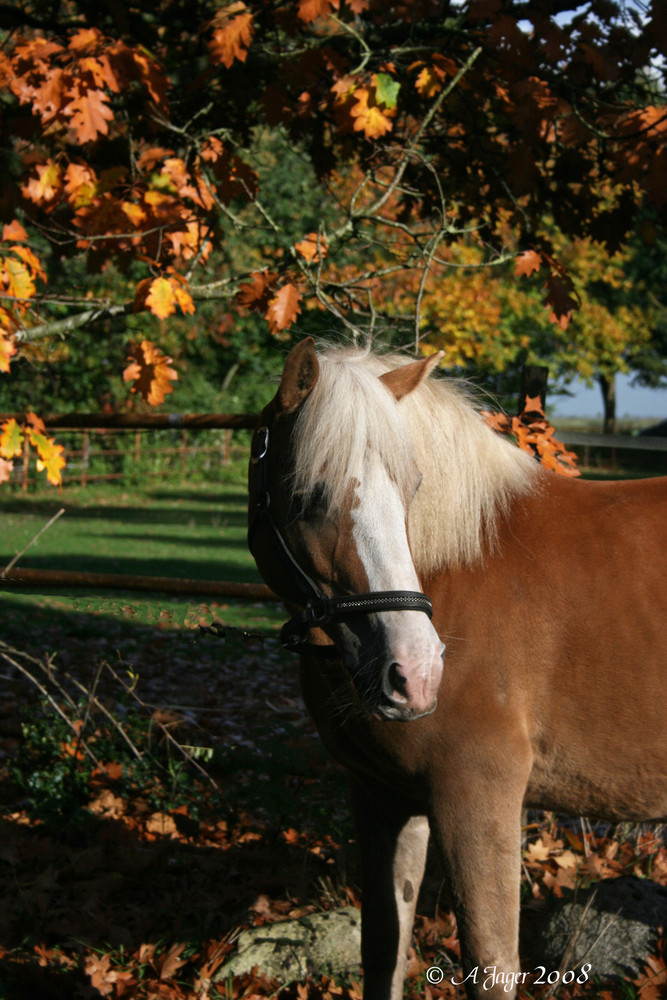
(403, 380)
(299, 376)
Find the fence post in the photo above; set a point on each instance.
(137, 450)
(26, 463)
(85, 448)
(227, 446)
(184, 452)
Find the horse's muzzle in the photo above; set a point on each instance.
(391, 712)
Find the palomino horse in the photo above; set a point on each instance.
(372, 486)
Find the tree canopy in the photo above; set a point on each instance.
(142, 144)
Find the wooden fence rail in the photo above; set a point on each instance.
(88, 424)
(55, 579)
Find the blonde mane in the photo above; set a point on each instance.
(470, 473)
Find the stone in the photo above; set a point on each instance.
(613, 925)
(317, 944)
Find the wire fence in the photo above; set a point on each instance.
(101, 447)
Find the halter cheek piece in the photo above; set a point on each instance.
(318, 609)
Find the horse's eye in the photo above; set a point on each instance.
(313, 503)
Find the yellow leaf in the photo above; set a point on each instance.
(161, 299)
(81, 184)
(370, 119)
(50, 456)
(17, 278)
(11, 439)
(46, 187)
(134, 213)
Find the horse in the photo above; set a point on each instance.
(477, 634)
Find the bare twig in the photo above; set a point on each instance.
(31, 542)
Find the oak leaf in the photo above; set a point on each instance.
(283, 308)
(162, 295)
(17, 278)
(11, 439)
(150, 371)
(7, 348)
(81, 184)
(5, 470)
(89, 115)
(370, 118)
(13, 232)
(257, 292)
(560, 298)
(161, 298)
(46, 187)
(310, 10)
(312, 247)
(50, 454)
(232, 35)
(527, 263)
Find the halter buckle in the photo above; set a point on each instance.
(260, 445)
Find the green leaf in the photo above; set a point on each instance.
(386, 90)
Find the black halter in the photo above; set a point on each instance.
(318, 609)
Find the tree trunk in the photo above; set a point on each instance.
(608, 389)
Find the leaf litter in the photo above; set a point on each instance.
(146, 895)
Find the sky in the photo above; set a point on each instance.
(631, 401)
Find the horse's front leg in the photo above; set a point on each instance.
(477, 825)
(393, 838)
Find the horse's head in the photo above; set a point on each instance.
(322, 534)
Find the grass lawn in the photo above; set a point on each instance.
(180, 530)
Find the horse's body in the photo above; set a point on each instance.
(551, 600)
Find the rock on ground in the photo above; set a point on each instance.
(317, 944)
(612, 925)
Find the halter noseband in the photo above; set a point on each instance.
(318, 609)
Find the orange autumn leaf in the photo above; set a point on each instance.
(312, 247)
(310, 10)
(233, 27)
(370, 118)
(257, 292)
(89, 115)
(13, 232)
(535, 435)
(150, 371)
(35, 422)
(527, 263)
(5, 470)
(283, 308)
(7, 348)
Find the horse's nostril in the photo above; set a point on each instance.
(396, 682)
